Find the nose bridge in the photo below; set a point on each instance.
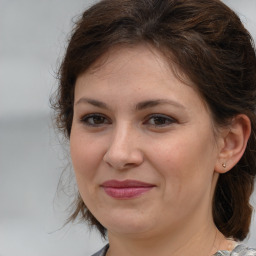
(123, 150)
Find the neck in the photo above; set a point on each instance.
(203, 242)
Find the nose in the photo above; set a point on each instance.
(124, 150)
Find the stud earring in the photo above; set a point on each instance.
(224, 165)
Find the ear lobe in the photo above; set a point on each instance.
(234, 143)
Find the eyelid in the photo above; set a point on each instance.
(167, 120)
(84, 119)
(158, 115)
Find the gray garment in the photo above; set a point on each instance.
(240, 250)
(102, 252)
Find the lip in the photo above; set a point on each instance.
(126, 189)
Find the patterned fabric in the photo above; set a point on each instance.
(240, 250)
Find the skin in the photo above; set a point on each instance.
(169, 143)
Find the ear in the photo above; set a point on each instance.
(233, 142)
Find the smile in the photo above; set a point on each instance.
(126, 189)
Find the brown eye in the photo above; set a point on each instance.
(95, 120)
(160, 120)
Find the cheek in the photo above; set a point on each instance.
(175, 156)
(85, 155)
(86, 158)
(186, 164)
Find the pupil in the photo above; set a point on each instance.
(159, 120)
(98, 120)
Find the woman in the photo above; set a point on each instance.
(158, 101)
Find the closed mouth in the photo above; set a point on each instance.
(126, 189)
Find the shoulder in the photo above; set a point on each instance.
(243, 250)
(240, 250)
(102, 252)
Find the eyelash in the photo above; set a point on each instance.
(90, 119)
(167, 120)
(86, 120)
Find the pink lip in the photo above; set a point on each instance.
(126, 189)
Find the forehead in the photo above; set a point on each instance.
(124, 68)
(140, 67)
(125, 76)
(119, 57)
(141, 61)
(144, 55)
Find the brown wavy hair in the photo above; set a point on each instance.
(208, 43)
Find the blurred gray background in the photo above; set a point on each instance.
(33, 37)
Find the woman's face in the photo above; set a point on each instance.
(142, 145)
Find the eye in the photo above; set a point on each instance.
(159, 120)
(95, 120)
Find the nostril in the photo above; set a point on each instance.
(119, 160)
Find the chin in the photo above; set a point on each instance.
(126, 223)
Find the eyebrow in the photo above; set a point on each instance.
(93, 102)
(139, 106)
(152, 103)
